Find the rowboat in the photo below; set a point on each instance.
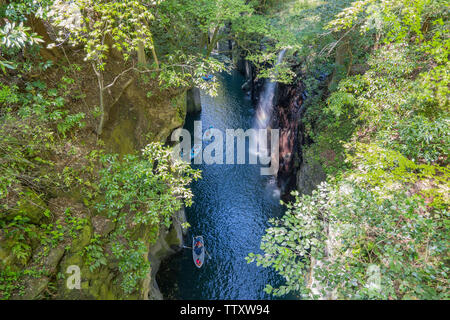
(198, 251)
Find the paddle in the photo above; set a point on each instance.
(190, 248)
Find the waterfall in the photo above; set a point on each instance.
(264, 115)
(265, 104)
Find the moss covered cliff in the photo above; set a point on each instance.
(50, 213)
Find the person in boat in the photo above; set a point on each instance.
(208, 133)
(198, 250)
(198, 242)
(198, 262)
(198, 246)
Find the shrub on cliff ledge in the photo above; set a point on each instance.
(143, 190)
(388, 212)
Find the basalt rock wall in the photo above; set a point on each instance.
(287, 112)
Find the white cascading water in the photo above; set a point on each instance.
(265, 104)
(264, 111)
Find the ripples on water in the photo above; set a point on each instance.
(232, 206)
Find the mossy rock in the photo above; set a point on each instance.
(101, 285)
(74, 258)
(6, 256)
(172, 238)
(30, 206)
(34, 287)
(309, 176)
(102, 225)
(83, 239)
(121, 139)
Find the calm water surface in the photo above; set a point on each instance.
(232, 206)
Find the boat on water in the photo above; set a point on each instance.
(195, 151)
(208, 134)
(198, 251)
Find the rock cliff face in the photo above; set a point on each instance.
(287, 117)
(133, 122)
(296, 170)
(194, 104)
(252, 86)
(132, 119)
(169, 242)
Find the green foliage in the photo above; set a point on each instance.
(279, 72)
(386, 206)
(23, 149)
(130, 27)
(91, 22)
(38, 102)
(182, 71)
(71, 121)
(95, 257)
(376, 77)
(21, 251)
(22, 10)
(42, 161)
(348, 229)
(15, 37)
(74, 224)
(142, 190)
(133, 264)
(392, 104)
(9, 281)
(149, 187)
(422, 139)
(6, 65)
(185, 24)
(186, 33)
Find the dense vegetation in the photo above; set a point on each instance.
(375, 75)
(379, 127)
(64, 198)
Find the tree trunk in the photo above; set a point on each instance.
(155, 57)
(340, 66)
(99, 75)
(142, 59)
(213, 42)
(102, 115)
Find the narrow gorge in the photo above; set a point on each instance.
(224, 150)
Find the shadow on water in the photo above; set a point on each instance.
(232, 206)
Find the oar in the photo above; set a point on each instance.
(206, 251)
